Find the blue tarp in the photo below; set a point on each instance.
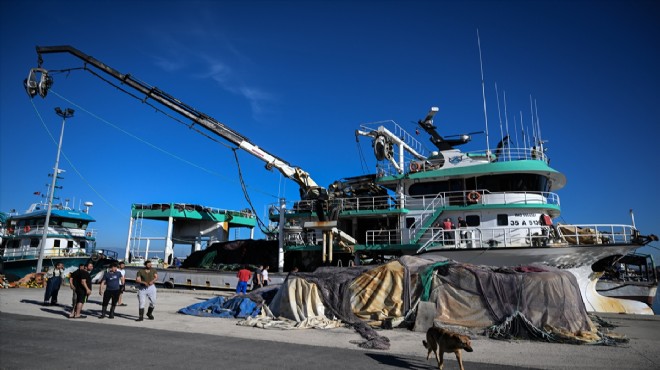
(237, 307)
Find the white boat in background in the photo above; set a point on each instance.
(70, 240)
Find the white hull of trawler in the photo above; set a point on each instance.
(575, 259)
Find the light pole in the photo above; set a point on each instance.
(67, 113)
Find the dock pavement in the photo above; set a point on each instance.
(641, 352)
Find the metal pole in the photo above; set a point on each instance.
(67, 113)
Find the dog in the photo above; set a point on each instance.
(439, 341)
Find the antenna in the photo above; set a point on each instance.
(506, 119)
(531, 111)
(499, 114)
(536, 109)
(483, 93)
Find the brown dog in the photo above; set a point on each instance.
(439, 341)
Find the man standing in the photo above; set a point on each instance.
(72, 278)
(257, 278)
(243, 276)
(462, 225)
(264, 275)
(146, 280)
(53, 284)
(113, 280)
(121, 270)
(82, 285)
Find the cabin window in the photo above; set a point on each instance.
(69, 224)
(83, 244)
(15, 243)
(473, 220)
(502, 220)
(409, 222)
(513, 182)
(56, 243)
(69, 244)
(34, 242)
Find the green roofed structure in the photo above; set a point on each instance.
(190, 224)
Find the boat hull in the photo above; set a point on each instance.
(18, 268)
(637, 291)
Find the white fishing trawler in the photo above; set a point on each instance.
(69, 239)
(484, 207)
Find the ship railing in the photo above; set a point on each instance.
(365, 203)
(383, 237)
(430, 202)
(37, 231)
(597, 234)
(18, 254)
(398, 131)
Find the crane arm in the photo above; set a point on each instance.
(308, 188)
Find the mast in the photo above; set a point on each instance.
(67, 113)
(483, 93)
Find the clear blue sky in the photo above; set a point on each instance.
(297, 78)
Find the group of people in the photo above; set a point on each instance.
(448, 225)
(259, 278)
(111, 288)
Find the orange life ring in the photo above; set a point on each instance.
(26, 229)
(473, 197)
(414, 166)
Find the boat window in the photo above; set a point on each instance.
(34, 242)
(473, 220)
(69, 244)
(502, 220)
(15, 243)
(513, 182)
(70, 224)
(56, 243)
(83, 244)
(432, 187)
(409, 222)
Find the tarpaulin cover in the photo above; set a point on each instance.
(236, 307)
(229, 256)
(540, 303)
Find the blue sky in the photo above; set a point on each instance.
(297, 78)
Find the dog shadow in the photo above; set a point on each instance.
(399, 361)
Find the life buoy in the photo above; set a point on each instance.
(95, 257)
(414, 166)
(26, 229)
(473, 197)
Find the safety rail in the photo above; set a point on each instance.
(529, 236)
(37, 231)
(484, 197)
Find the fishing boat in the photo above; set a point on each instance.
(487, 207)
(69, 240)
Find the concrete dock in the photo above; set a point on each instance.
(640, 353)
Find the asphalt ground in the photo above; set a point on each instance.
(33, 336)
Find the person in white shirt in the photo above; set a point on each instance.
(53, 284)
(264, 275)
(122, 288)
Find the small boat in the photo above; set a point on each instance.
(633, 277)
(69, 240)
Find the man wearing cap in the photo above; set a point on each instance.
(146, 280)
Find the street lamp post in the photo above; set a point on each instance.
(67, 113)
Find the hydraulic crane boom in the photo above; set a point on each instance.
(308, 188)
